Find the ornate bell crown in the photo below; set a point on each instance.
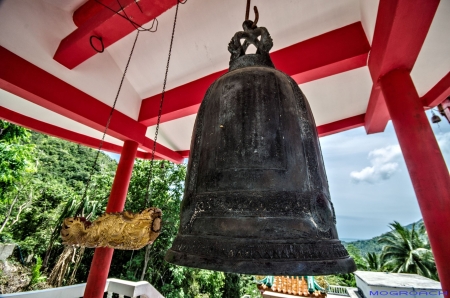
(257, 36)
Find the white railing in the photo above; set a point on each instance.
(118, 286)
(337, 290)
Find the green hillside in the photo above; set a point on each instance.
(372, 245)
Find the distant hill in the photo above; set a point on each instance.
(372, 245)
(409, 227)
(366, 246)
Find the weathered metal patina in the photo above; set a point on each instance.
(257, 198)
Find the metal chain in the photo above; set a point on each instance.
(125, 16)
(148, 192)
(80, 209)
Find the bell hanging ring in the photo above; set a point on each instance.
(256, 194)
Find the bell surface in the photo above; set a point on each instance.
(435, 119)
(256, 194)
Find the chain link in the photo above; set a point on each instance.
(80, 209)
(148, 192)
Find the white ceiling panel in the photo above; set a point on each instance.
(369, 9)
(175, 134)
(66, 5)
(204, 29)
(29, 109)
(433, 62)
(340, 96)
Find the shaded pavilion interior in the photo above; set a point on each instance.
(359, 63)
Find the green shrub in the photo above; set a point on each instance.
(36, 272)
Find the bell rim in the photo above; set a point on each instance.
(268, 267)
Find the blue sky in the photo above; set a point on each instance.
(369, 183)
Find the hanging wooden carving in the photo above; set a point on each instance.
(124, 230)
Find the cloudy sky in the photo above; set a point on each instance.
(369, 183)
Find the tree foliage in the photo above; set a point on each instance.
(35, 202)
(16, 154)
(373, 262)
(407, 251)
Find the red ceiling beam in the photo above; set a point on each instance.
(341, 125)
(334, 52)
(328, 54)
(92, 7)
(59, 132)
(438, 93)
(400, 31)
(28, 81)
(105, 24)
(184, 153)
(377, 115)
(179, 102)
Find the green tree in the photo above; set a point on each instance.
(34, 203)
(232, 285)
(349, 278)
(248, 286)
(36, 272)
(16, 163)
(16, 154)
(406, 251)
(355, 253)
(373, 262)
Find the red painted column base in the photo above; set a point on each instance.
(98, 274)
(101, 262)
(426, 166)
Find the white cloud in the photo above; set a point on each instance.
(384, 164)
(443, 140)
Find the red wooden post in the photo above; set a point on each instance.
(429, 174)
(101, 262)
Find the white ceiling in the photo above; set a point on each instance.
(29, 109)
(433, 62)
(204, 29)
(66, 5)
(33, 30)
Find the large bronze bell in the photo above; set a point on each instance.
(257, 198)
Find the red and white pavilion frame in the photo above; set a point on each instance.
(359, 62)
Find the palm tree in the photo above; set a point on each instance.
(407, 251)
(373, 261)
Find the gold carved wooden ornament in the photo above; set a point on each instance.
(123, 230)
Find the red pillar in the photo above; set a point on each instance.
(429, 174)
(102, 257)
